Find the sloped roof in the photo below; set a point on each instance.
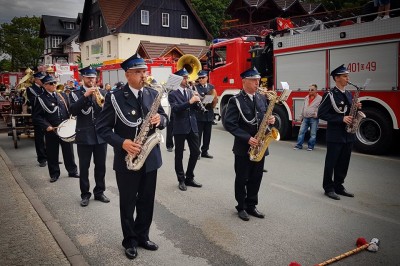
(53, 25)
(116, 13)
(255, 3)
(70, 38)
(155, 50)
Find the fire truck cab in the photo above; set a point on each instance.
(370, 50)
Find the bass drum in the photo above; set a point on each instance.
(66, 130)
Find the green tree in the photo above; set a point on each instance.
(212, 13)
(20, 40)
(5, 65)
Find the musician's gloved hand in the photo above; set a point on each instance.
(131, 147)
(89, 91)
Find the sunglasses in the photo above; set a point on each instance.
(52, 83)
(202, 77)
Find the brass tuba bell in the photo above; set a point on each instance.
(191, 64)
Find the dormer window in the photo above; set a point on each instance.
(144, 17)
(69, 26)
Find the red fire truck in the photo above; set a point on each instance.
(159, 68)
(370, 50)
(10, 78)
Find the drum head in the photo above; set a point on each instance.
(66, 129)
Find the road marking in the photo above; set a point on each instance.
(377, 216)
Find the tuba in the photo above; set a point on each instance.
(191, 64)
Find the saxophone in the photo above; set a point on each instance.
(135, 163)
(357, 115)
(265, 133)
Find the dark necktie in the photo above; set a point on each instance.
(140, 98)
(184, 94)
(54, 95)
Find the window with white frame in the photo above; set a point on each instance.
(184, 22)
(55, 41)
(144, 17)
(69, 26)
(165, 19)
(87, 51)
(100, 21)
(108, 47)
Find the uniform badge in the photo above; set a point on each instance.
(342, 102)
(133, 112)
(341, 108)
(52, 104)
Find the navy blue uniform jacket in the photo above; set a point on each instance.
(114, 131)
(336, 131)
(86, 111)
(208, 116)
(45, 119)
(237, 126)
(184, 113)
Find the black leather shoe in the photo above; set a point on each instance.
(332, 195)
(182, 186)
(102, 198)
(265, 171)
(76, 175)
(344, 192)
(85, 202)
(254, 212)
(43, 164)
(192, 183)
(53, 179)
(170, 149)
(207, 155)
(131, 253)
(149, 245)
(243, 215)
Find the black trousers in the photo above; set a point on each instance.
(53, 143)
(169, 143)
(193, 142)
(136, 191)
(85, 152)
(39, 144)
(247, 181)
(337, 162)
(205, 128)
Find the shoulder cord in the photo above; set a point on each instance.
(89, 110)
(121, 116)
(45, 107)
(251, 122)
(335, 106)
(33, 91)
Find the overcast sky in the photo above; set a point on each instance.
(20, 8)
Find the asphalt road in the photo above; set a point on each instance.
(201, 227)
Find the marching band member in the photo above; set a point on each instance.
(204, 119)
(183, 105)
(32, 93)
(334, 109)
(86, 107)
(50, 110)
(118, 124)
(244, 113)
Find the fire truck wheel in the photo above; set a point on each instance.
(282, 122)
(375, 132)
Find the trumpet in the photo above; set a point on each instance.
(98, 97)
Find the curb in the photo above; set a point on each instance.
(71, 252)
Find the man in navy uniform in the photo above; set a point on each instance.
(118, 124)
(244, 113)
(86, 109)
(335, 108)
(32, 93)
(50, 110)
(184, 104)
(204, 119)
